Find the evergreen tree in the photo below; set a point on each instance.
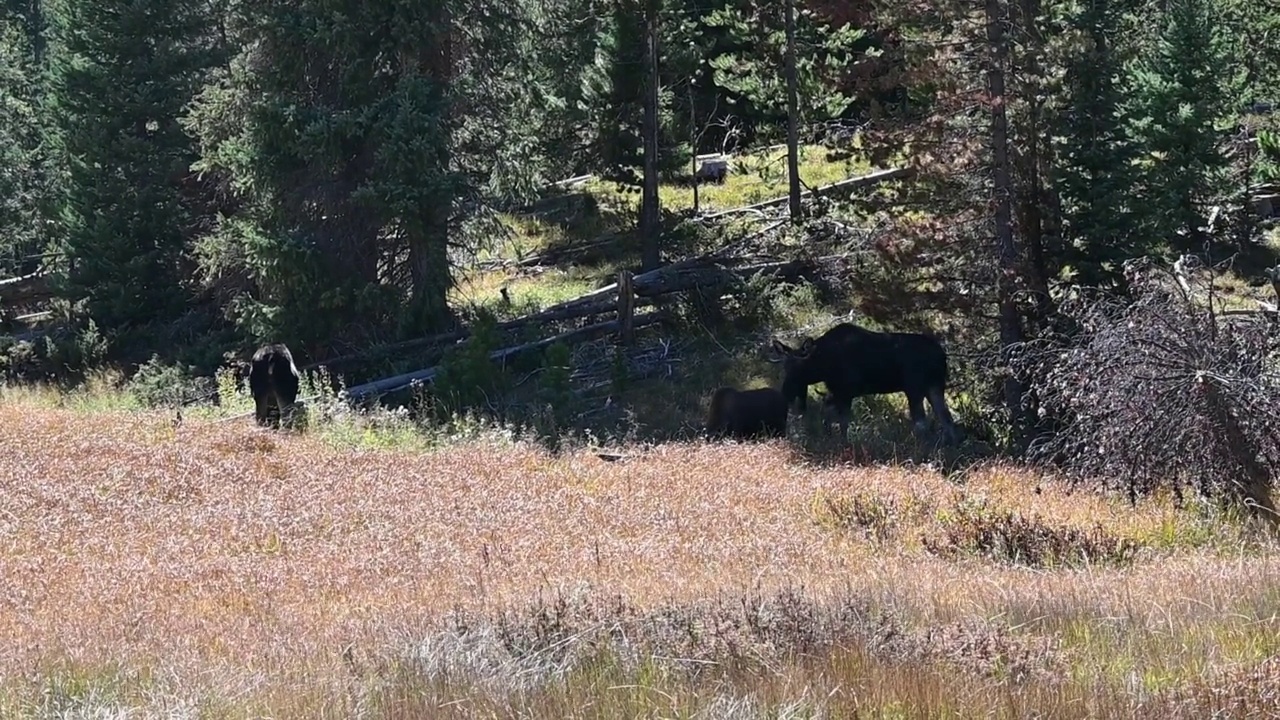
(612, 96)
(23, 184)
(121, 75)
(353, 134)
(1096, 176)
(753, 72)
(334, 124)
(1181, 92)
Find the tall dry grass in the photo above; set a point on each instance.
(218, 570)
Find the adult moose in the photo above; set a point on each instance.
(853, 361)
(747, 414)
(274, 381)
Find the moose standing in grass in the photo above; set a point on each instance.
(274, 381)
(853, 361)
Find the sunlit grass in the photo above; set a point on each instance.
(215, 569)
(755, 177)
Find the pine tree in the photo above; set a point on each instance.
(121, 76)
(23, 176)
(1096, 177)
(754, 71)
(1181, 90)
(612, 97)
(353, 135)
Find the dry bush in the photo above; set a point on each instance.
(730, 632)
(1245, 692)
(877, 516)
(1160, 389)
(1010, 536)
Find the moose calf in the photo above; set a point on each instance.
(747, 414)
(273, 380)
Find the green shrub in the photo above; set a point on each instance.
(468, 379)
(157, 384)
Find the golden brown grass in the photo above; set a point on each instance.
(216, 570)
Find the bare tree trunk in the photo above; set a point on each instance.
(1034, 198)
(429, 246)
(694, 137)
(649, 210)
(793, 142)
(1006, 249)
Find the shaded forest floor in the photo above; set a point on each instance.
(212, 569)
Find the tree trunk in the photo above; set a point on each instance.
(1006, 249)
(1033, 200)
(694, 137)
(793, 142)
(649, 211)
(429, 244)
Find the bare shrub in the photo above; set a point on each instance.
(553, 636)
(1160, 388)
(1008, 536)
(875, 516)
(1249, 691)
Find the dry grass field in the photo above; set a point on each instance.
(216, 570)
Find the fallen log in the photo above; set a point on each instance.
(34, 317)
(399, 382)
(26, 288)
(874, 178)
(567, 182)
(555, 313)
(684, 275)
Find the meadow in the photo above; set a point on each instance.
(209, 568)
(193, 565)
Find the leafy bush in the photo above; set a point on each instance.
(554, 390)
(468, 379)
(156, 384)
(65, 355)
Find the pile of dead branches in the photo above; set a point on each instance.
(1158, 388)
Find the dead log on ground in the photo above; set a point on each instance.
(400, 382)
(685, 275)
(23, 289)
(569, 310)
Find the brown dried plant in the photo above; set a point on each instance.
(1161, 389)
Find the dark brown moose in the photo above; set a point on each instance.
(274, 381)
(853, 361)
(747, 414)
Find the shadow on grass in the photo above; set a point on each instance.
(673, 409)
(882, 434)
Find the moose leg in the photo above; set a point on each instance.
(261, 408)
(277, 403)
(938, 401)
(844, 413)
(915, 406)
